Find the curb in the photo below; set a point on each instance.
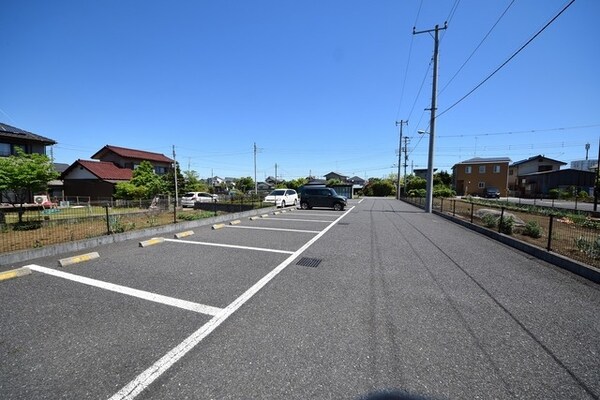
(15, 273)
(63, 262)
(151, 242)
(183, 234)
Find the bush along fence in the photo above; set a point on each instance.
(573, 234)
(43, 226)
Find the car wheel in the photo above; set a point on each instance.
(282, 203)
(338, 207)
(295, 202)
(304, 205)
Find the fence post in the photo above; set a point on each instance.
(549, 247)
(472, 211)
(454, 208)
(501, 220)
(107, 220)
(442, 205)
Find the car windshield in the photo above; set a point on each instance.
(188, 195)
(277, 193)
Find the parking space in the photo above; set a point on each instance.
(95, 327)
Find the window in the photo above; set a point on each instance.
(468, 169)
(481, 185)
(511, 172)
(496, 169)
(160, 170)
(4, 149)
(482, 169)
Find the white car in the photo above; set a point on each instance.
(188, 199)
(282, 197)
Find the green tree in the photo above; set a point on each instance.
(22, 175)
(244, 184)
(193, 183)
(144, 184)
(169, 181)
(442, 178)
(416, 183)
(296, 184)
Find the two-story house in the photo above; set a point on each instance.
(97, 179)
(131, 158)
(529, 166)
(12, 138)
(474, 175)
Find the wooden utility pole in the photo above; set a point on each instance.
(399, 190)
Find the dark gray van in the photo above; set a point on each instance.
(321, 197)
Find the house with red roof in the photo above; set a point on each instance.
(97, 178)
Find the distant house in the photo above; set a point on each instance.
(215, 181)
(422, 172)
(531, 165)
(93, 179)
(357, 180)
(131, 158)
(12, 138)
(474, 175)
(335, 175)
(540, 183)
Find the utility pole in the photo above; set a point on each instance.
(596, 188)
(255, 182)
(176, 194)
(275, 175)
(406, 139)
(401, 122)
(429, 198)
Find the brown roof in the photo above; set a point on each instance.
(132, 154)
(103, 170)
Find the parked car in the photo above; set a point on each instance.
(282, 197)
(321, 197)
(491, 193)
(188, 199)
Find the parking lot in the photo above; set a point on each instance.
(301, 304)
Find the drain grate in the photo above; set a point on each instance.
(344, 223)
(309, 262)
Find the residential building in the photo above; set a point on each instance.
(540, 183)
(12, 138)
(335, 175)
(528, 166)
(93, 179)
(584, 165)
(422, 172)
(131, 158)
(473, 176)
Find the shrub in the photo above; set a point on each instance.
(506, 225)
(443, 191)
(554, 193)
(583, 194)
(590, 247)
(533, 229)
(489, 220)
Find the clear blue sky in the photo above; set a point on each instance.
(318, 85)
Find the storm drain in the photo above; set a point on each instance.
(344, 223)
(309, 262)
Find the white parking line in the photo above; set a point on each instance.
(142, 381)
(157, 298)
(231, 246)
(272, 229)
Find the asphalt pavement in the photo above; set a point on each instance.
(308, 304)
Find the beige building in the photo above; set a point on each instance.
(532, 165)
(473, 176)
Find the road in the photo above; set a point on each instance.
(388, 298)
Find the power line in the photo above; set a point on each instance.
(507, 61)
(478, 46)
